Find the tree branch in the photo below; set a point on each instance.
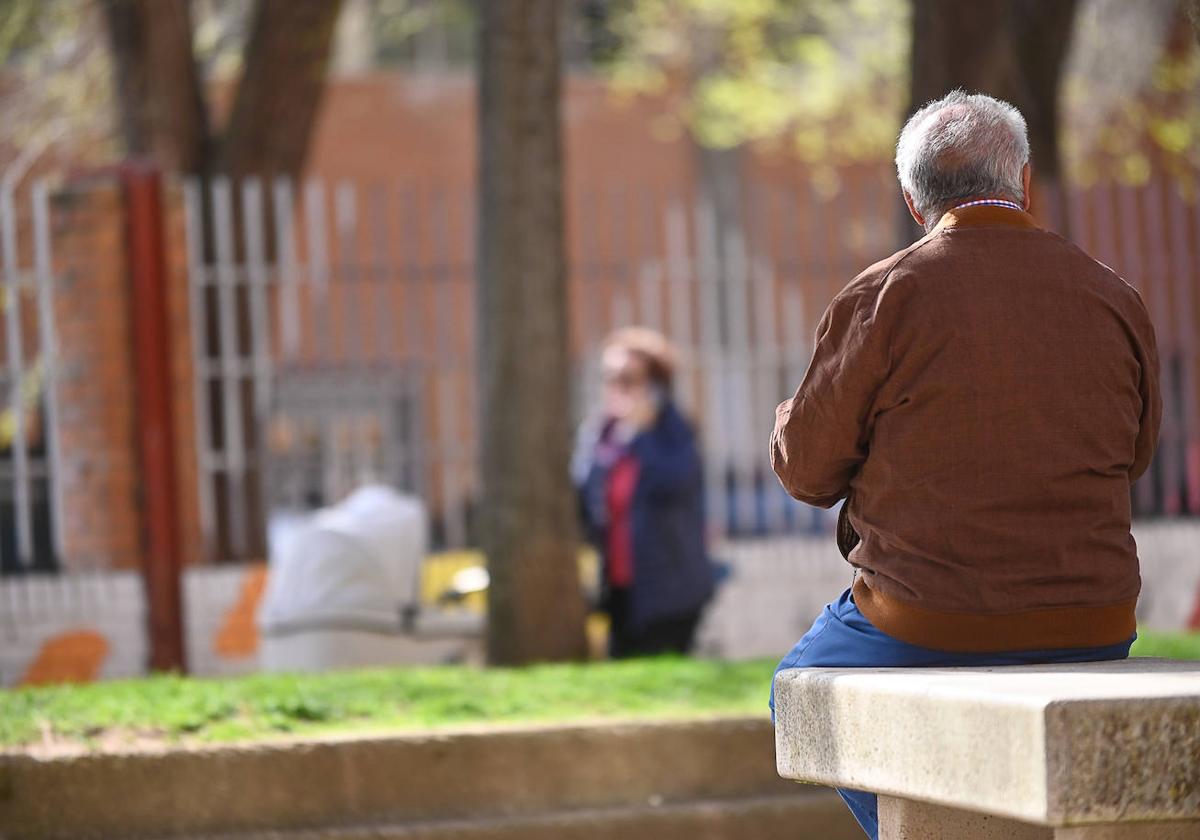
(279, 95)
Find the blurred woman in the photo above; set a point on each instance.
(643, 501)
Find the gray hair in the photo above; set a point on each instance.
(959, 147)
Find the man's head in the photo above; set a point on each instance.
(961, 147)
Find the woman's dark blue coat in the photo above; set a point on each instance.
(672, 573)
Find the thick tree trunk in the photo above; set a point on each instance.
(162, 113)
(528, 514)
(1012, 49)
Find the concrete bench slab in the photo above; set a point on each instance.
(1097, 744)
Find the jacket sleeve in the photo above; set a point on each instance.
(822, 433)
(1148, 389)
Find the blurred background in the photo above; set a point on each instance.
(262, 215)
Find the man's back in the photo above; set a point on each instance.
(987, 396)
(983, 400)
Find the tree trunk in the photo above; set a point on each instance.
(160, 95)
(1040, 33)
(1011, 49)
(162, 113)
(279, 95)
(528, 515)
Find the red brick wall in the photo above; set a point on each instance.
(98, 462)
(100, 476)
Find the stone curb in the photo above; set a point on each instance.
(445, 775)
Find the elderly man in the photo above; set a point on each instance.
(983, 401)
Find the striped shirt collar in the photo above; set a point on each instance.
(990, 202)
(986, 212)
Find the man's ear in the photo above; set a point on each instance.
(912, 208)
(1026, 182)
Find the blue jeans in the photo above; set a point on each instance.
(841, 637)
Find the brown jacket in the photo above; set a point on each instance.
(984, 398)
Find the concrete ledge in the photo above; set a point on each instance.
(1051, 745)
(471, 774)
(905, 819)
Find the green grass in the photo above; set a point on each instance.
(175, 708)
(1167, 645)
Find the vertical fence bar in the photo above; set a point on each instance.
(318, 264)
(796, 297)
(197, 280)
(381, 303)
(16, 371)
(620, 279)
(1077, 207)
(766, 354)
(261, 377)
(680, 283)
(284, 210)
(1133, 269)
(230, 367)
(473, 481)
(738, 394)
(1161, 311)
(415, 323)
(448, 451)
(48, 342)
(591, 331)
(350, 285)
(649, 265)
(253, 212)
(707, 274)
(1182, 276)
(379, 299)
(821, 284)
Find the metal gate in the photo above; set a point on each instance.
(30, 532)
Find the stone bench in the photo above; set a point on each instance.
(1100, 750)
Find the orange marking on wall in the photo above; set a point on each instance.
(238, 636)
(73, 657)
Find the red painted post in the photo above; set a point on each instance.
(150, 327)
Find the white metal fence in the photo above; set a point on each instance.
(334, 331)
(30, 530)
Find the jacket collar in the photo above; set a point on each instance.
(985, 215)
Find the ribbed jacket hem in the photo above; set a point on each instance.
(1047, 629)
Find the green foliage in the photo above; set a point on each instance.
(826, 79)
(55, 64)
(1156, 130)
(18, 25)
(398, 25)
(175, 708)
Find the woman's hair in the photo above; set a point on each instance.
(651, 347)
